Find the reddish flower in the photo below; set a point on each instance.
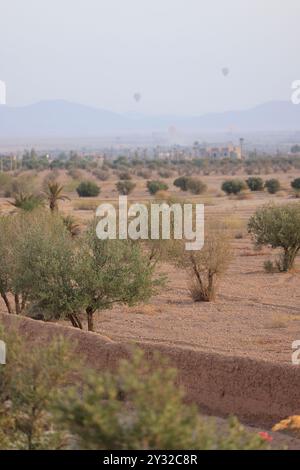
(265, 436)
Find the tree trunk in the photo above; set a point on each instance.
(52, 206)
(17, 304)
(6, 301)
(288, 258)
(90, 318)
(23, 302)
(211, 287)
(75, 321)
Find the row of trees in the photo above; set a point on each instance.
(142, 158)
(255, 183)
(235, 186)
(192, 184)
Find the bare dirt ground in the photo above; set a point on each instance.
(256, 314)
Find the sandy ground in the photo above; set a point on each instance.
(255, 314)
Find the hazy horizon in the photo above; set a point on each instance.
(101, 52)
(136, 113)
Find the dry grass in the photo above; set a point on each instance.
(278, 321)
(86, 205)
(249, 252)
(234, 222)
(146, 309)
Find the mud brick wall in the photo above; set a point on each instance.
(258, 392)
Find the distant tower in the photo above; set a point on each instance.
(2, 92)
(241, 146)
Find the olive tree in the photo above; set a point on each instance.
(279, 227)
(116, 271)
(65, 277)
(255, 183)
(182, 182)
(272, 186)
(12, 228)
(295, 184)
(52, 275)
(47, 267)
(196, 186)
(234, 186)
(6, 256)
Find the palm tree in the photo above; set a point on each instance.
(54, 194)
(27, 202)
(72, 227)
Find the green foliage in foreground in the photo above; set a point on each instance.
(136, 407)
(29, 386)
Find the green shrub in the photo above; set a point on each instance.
(295, 184)
(155, 186)
(141, 407)
(30, 382)
(272, 186)
(234, 186)
(88, 189)
(125, 187)
(196, 186)
(27, 202)
(255, 183)
(182, 182)
(187, 183)
(269, 266)
(138, 406)
(278, 226)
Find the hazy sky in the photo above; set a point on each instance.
(101, 52)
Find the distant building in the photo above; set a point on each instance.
(230, 151)
(219, 151)
(2, 92)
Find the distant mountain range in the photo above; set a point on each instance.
(65, 119)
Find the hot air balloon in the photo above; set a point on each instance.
(137, 97)
(225, 71)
